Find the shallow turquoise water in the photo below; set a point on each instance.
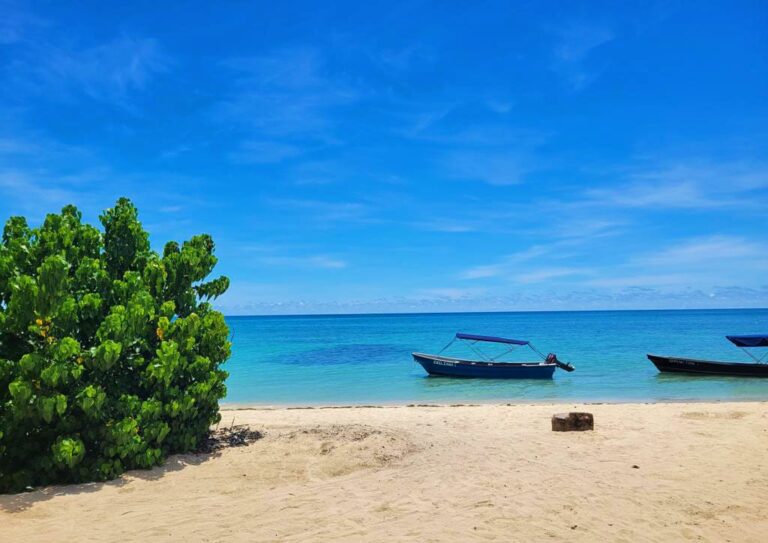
(365, 359)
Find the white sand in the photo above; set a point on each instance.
(474, 473)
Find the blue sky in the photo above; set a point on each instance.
(415, 156)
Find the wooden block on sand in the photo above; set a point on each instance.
(572, 422)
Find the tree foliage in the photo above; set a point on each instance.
(110, 354)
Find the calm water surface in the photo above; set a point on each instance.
(362, 359)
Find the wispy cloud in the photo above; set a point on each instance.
(534, 264)
(313, 261)
(701, 262)
(36, 192)
(576, 42)
(581, 228)
(546, 274)
(533, 274)
(286, 93)
(689, 184)
(264, 152)
(446, 225)
(475, 141)
(321, 210)
(15, 21)
(323, 172)
(37, 150)
(110, 71)
(490, 166)
(171, 209)
(411, 55)
(507, 265)
(707, 250)
(647, 280)
(15, 146)
(484, 271)
(39, 175)
(450, 293)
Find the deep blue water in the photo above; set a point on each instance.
(365, 359)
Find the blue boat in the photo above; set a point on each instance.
(490, 367)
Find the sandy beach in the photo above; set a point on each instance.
(650, 472)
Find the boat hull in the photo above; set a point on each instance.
(671, 364)
(454, 367)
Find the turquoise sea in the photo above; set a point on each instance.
(366, 359)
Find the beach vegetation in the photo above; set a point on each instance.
(110, 353)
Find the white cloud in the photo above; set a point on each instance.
(264, 152)
(510, 264)
(702, 263)
(320, 210)
(483, 272)
(495, 167)
(14, 146)
(171, 209)
(640, 280)
(39, 176)
(545, 274)
(32, 191)
(445, 225)
(313, 261)
(449, 293)
(110, 72)
(683, 195)
(576, 42)
(715, 251)
(578, 229)
(286, 93)
(690, 184)
(16, 21)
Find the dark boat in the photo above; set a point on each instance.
(490, 367)
(674, 364)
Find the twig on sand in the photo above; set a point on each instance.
(234, 436)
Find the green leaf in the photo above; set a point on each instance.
(68, 452)
(67, 348)
(30, 363)
(20, 391)
(53, 281)
(61, 404)
(51, 375)
(108, 353)
(47, 405)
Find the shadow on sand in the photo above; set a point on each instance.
(15, 503)
(234, 436)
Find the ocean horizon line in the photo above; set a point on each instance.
(500, 312)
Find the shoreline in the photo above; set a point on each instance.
(532, 403)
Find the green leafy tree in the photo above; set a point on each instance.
(110, 354)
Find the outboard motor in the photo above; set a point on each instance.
(552, 359)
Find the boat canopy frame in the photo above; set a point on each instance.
(473, 340)
(751, 342)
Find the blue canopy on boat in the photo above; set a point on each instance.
(757, 340)
(490, 339)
